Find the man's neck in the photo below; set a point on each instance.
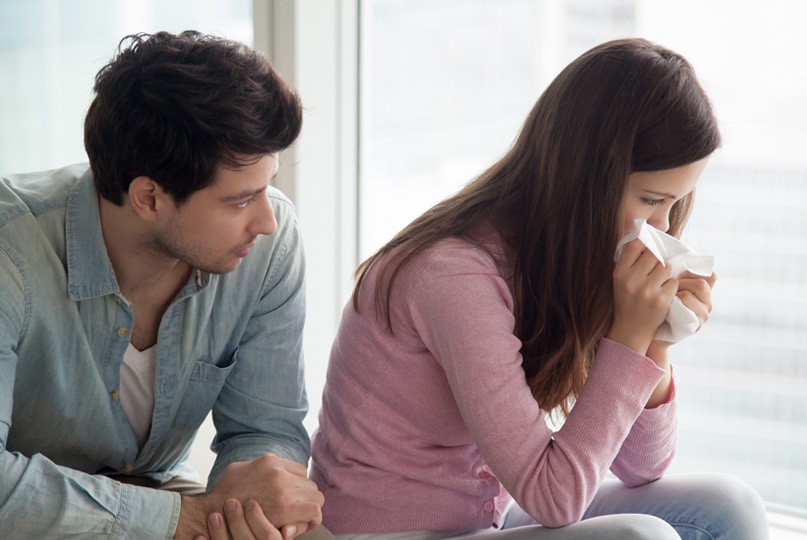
(142, 273)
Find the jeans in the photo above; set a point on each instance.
(686, 507)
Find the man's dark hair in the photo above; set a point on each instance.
(175, 108)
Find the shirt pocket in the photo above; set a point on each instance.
(204, 386)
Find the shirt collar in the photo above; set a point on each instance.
(89, 270)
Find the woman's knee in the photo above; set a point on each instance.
(623, 527)
(736, 509)
(735, 494)
(642, 527)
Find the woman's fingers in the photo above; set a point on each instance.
(241, 522)
(258, 523)
(643, 292)
(695, 292)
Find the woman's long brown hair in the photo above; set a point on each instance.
(556, 197)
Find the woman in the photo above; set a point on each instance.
(503, 305)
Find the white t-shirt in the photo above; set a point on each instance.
(137, 389)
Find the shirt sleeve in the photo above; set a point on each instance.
(463, 309)
(39, 499)
(263, 403)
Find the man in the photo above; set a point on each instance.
(165, 280)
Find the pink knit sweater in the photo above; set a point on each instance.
(433, 426)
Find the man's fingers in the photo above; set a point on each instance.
(269, 461)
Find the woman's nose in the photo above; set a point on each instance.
(660, 219)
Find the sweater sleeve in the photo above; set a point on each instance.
(650, 446)
(463, 310)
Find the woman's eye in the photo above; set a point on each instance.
(654, 202)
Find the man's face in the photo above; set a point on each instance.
(217, 226)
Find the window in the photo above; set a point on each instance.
(50, 51)
(445, 86)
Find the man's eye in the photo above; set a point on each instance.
(246, 203)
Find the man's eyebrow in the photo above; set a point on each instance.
(242, 195)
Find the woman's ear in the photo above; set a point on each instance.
(147, 198)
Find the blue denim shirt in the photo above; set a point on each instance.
(231, 343)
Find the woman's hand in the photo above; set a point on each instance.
(695, 293)
(242, 522)
(643, 292)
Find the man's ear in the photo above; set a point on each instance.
(147, 198)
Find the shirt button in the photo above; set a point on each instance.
(118, 300)
(488, 506)
(127, 468)
(116, 394)
(122, 331)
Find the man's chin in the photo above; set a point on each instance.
(223, 268)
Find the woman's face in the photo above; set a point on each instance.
(651, 194)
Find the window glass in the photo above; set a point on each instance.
(445, 86)
(50, 51)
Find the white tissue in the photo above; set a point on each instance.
(681, 321)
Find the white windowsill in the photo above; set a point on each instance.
(787, 525)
